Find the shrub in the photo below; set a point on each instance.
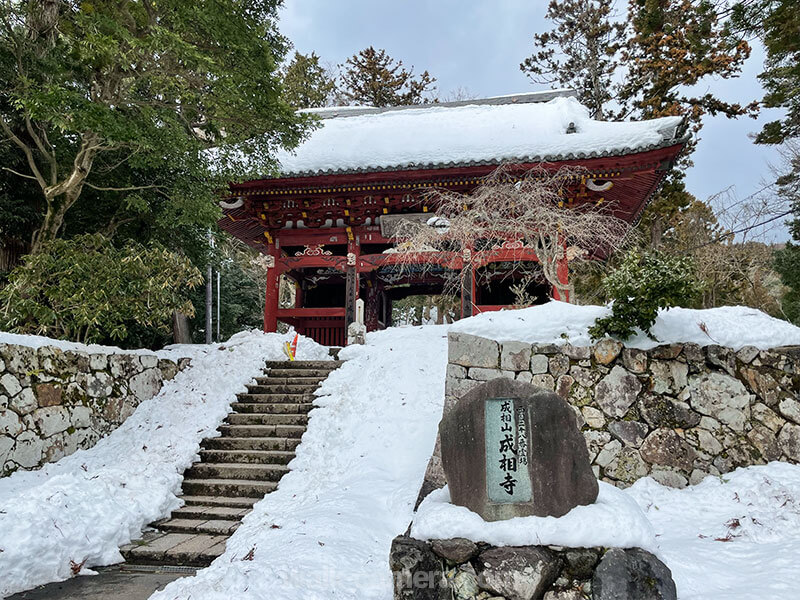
(84, 289)
(639, 287)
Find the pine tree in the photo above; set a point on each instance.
(374, 78)
(579, 52)
(306, 83)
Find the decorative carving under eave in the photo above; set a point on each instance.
(351, 259)
(318, 250)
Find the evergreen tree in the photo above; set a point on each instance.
(374, 78)
(579, 52)
(306, 83)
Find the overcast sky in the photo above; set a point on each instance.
(478, 45)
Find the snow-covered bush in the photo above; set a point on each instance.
(639, 287)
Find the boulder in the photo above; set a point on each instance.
(606, 351)
(472, 351)
(518, 573)
(455, 550)
(617, 391)
(417, 573)
(625, 574)
(665, 447)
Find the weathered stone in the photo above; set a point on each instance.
(608, 453)
(459, 387)
(472, 351)
(48, 394)
(789, 441)
(697, 476)
(555, 451)
(746, 354)
(124, 365)
(10, 385)
(564, 386)
(722, 397)
(10, 423)
(763, 384)
(97, 385)
(524, 376)
(80, 416)
(563, 595)
(28, 448)
(6, 443)
(632, 573)
(584, 377)
(665, 447)
(627, 466)
(539, 364)
(630, 433)
(762, 413)
(634, 360)
(617, 391)
(559, 365)
(668, 477)
(518, 573)
(456, 372)
(515, 356)
(24, 402)
(464, 583)
(593, 418)
(455, 550)
(545, 349)
(19, 360)
(763, 439)
(169, 369)
(662, 411)
(669, 377)
(3, 401)
(580, 562)
(694, 353)
(145, 385)
(666, 351)
(709, 424)
(606, 351)
(98, 362)
(722, 357)
(417, 573)
(790, 409)
(707, 442)
(595, 441)
(577, 352)
(483, 374)
(545, 382)
(51, 420)
(149, 361)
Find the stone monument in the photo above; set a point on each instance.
(510, 449)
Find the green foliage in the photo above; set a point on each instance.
(125, 98)
(306, 83)
(374, 78)
(787, 263)
(579, 52)
(639, 287)
(86, 290)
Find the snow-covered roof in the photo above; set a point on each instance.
(519, 128)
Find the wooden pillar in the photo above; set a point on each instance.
(467, 285)
(562, 271)
(351, 285)
(372, 303)
(273, 290)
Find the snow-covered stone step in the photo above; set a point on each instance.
(175, 549)
(250, 443)
(322, 365)
(272, 407)
(275, 457)
(253, 472)
(282, 388)
(235, 502)
(205, 512)
(285, 431)
(210, 526)
(277, 398)
(277, 372)
(257, 418)
(228, 487)
(291, 379)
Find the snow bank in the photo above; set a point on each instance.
(613, 520)
(326, 532)
(431, 135)
(735, 537)
(85, 506)
(39, 341)
(559, 323)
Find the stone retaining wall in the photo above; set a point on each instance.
(53, 402)
(677, 412)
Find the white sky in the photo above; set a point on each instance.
(478, 45)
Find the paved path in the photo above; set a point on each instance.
(112, 583)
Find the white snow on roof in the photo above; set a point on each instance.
(471, 134)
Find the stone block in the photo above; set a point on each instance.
(746, 354)
(632, 573)
(666, 351)
(456, 372)
(417, 572)
(48, 394)
(145, 385)
(630, 433)
(25, 402)
(481, 374)
(6, 444)
(455, 550)
(606, 351)
(765, 415)
(10, 385)
(634, 360)
(617, 391)
(540, 363)
(789, 441)
(790, 409)
(518, 573)
(668, 377)
(28, 449)
(98, 362)
(10, 423)
(168, 369)
(19, 360)
(666, 448)
(149, 361)
(669, 478)
(722, 397)
(559, 365)
(763, 440)
(524, 376)
(593, 417)
(663, 411)
(472, 351)
(515, 356)
(577, 352)
(627, 466)
(51, 420)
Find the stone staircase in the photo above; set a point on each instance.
(236, 469)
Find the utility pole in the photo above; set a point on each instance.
(209, 285)
(218, 292)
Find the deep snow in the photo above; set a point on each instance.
(326, 532)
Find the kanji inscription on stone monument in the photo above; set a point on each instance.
(507, 476)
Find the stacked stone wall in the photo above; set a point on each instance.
(54, 402)
(677, 412)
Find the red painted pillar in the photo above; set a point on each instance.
(372, 303)
(351, 285)
(273, 289)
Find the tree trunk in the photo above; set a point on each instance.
(181, 333)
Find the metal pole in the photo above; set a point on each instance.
(209, 284)
(218, 279)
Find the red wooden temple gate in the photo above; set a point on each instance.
(319, 223)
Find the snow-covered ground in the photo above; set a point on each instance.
(326, 532)
(82, 508)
